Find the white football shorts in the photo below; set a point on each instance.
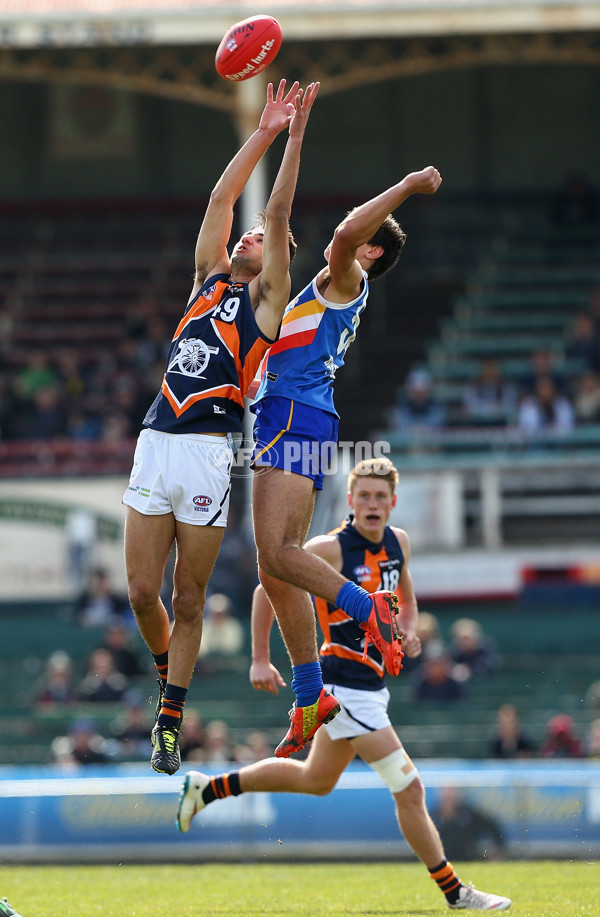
(187, 474)
(362, 712)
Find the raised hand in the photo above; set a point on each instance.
(303, 104)
(279, 110)
(427, 181)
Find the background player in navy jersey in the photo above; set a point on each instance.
(370, 551)
(179, 485)
(295, 417)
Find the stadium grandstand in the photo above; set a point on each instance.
(115, 126)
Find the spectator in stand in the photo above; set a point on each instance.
(70, 372)
(436, 682)
(489, 398)
(83, 424)
(510, 740)
(131, 728)
(218, 746)
(117, 640)
(56, 687)
(101, 605)
(43, 417)
(542, 363)
(471, 652)
(587, 398)
(546, 410)
(255, 748)
(222, 636)
(102, 684)
(154, 347)
(583, 342)
(36, 374)
(193, 737)
(427, 631)
(592, 696)
(83, 745)
(468, 832)
(561, 739)
(418, 408)
(592, 742)
(576, 203)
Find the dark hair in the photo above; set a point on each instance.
(260, 222)
(391, 237)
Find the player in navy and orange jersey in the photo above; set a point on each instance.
(371, 552)
(179, 485)
(295, 432)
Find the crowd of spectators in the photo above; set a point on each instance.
(543, 400)
(118, 673)
(446, 673)
(84, 393)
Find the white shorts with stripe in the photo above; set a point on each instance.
(362, 712)
(187, 474)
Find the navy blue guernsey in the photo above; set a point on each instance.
(215, 353)
(372, 566)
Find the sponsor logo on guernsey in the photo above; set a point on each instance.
(202, 503)
(271, 377)
(235, 287)
(218, 410)
(138, 489)
(361, 573)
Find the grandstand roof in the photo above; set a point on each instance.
(40, 23)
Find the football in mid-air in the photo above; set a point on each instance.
(248, 47)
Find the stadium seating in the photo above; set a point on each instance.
(534, 648)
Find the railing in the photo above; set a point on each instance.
(65, 458)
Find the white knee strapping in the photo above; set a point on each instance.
(396, 770)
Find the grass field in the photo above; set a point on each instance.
(539, 889)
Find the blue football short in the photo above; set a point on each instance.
(295, 437)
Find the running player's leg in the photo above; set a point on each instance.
(384, 752)
(316, 776)
(415, 822)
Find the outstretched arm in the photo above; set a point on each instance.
(274, 281)
(211, 246)
(263, 674)
(362, 223)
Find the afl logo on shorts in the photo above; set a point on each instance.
(362, 573)
(202, 503)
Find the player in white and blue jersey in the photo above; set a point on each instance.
(295, 433)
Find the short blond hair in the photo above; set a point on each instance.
(380, 468)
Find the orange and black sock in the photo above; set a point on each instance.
(162, 666)
(222, 786)
(447, 880)
(171, 712)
